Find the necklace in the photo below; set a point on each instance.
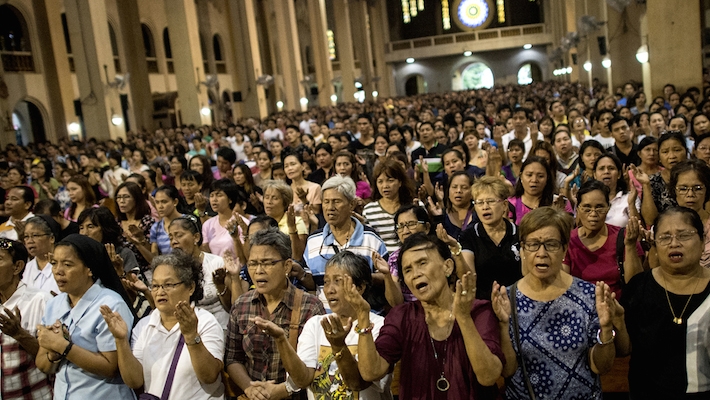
(679, 319)
(442, 383)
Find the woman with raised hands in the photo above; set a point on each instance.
(690, 187)
(623, 200)
(177, 351)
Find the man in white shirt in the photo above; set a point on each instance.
(115, 175)
(604, 136)
(18, 204)
(521, 130)
(272, 132)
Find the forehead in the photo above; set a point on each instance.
(673, 222)
(547, 232)
(261, 252)
(65, 253)
(422, 251)
(333, 194)
(163, 272)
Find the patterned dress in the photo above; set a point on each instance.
(556, 337)
(661, 196)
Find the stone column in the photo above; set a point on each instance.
(288, 54)
(88, 30)
(363, 44)
(140, 111)
(344, 49)
(187, 56)
(380, 39)
(321, 54)
(625, 43)
(203, 17)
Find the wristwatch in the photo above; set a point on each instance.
(197, 340)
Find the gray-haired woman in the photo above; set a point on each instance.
(176, 328)
(39, 237)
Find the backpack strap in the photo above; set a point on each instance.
(516, 333)
(620, 254)
(295, 318)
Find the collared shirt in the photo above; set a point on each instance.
(21, 379)
(618, 214)
(300, 225)
(154, 347)
(89, 331)
(254, 349)
(527, 140)
(42, 280)
(7, 229)
(567, 167)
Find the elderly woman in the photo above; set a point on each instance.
(75, 342)
(689, 185)
(342, 231)
(325, 363)
(593, 252)
(185, 234)
(448, 331)
(251, 357)
(566, 335)
(174, 330)
(393, 189)
(666, 314)
(491, 245)
(40, 234)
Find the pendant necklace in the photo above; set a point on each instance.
(679, 319)
(442, 383)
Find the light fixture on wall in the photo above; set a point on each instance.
(334, 98)
(467, 53)
(527, 46)
(587, 66)
(375, 93)
(205, 111)
(410, 60)
(642, 54)
(606, 62)
(116, 119)
(280, 105)
(74, 128)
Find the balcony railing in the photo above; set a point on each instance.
(17, 61)
(485, 37)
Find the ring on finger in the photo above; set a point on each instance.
(464, 292)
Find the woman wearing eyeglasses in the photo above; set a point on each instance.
(592, 254)
(667, 314)
(689, 184)
(176, 331)
(40, 234)
(185, 234)
(567, 327)
(492, 244)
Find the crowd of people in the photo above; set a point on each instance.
(513, 242)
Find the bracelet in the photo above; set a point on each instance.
(68, 349)
(220, 294)
(364, 331)
(599, 339)
(458, 251)
(54, 361)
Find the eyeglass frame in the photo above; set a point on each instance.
(488, 202)
(675, 236)
(693, 188)
(544, 244)
(596, 210)
(34, 236)
(167, 287)
(400, 227)
(265, 265)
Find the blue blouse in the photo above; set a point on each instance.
(89, 331)
(556, 337)
(159, 235)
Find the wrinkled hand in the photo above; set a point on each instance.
(606, 308)
(302, 195)
(200, 202)
(187, 318)
(632, 231)
(434, 208)
(439, 193)
(260, 390)
(640, 176)
(131, 279)
(352, 296)
(218, 276)
(116, 325)
(10, 322)
(269, 328)
(380, 264)
(52, 337)
(501, 302)
(465, 295)
(231, 264)
(291, 218)
(115, 258)
(444, 236)
(335, 332)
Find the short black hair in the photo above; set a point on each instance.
(227, 153)
(590, 186)
(229, 188)
(616, 119)
(49, 207)
(325, 146)
(28, 195)
(431, 241)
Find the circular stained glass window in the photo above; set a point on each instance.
(473, 13)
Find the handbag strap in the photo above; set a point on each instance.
(516, 331)
(620, 253)
(295, 319)
(173, 367)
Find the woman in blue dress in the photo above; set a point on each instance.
(75, 342)
(568, 328)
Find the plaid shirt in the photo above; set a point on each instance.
(249, 346)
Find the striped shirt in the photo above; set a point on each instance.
(383, 223)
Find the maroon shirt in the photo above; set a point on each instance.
(405, 337)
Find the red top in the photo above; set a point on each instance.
(405, 337)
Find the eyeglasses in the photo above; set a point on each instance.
(487, 202)
(549, 245)
(686, 189)
(409, 225)
(168, 287)
(33, 236)
(596, 210)
(124, 197)
(665, 240)
(266, 264)
(703, 148)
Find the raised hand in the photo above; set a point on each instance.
(606, 307)
(269, 328)
(116, 325)
(291, 218)
(500, 302)
(353, 296)
(439, 192)
(218, 276)
(335, 332)
(302, 195)
(632, 231)
(434, 208)
(200, 202)
(465, 295)
(230, 264)
(10, 324)
(380, 263)
(640, 176)
(115, 258)
(423, 165)
(187, 318)
(633, 195)
(444, 236)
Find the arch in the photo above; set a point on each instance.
(148, 41)
(415, 84)
(528, 73)
(217, 46)
(477, 75)
(166, 44)
(15, 39)
(30, 116)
